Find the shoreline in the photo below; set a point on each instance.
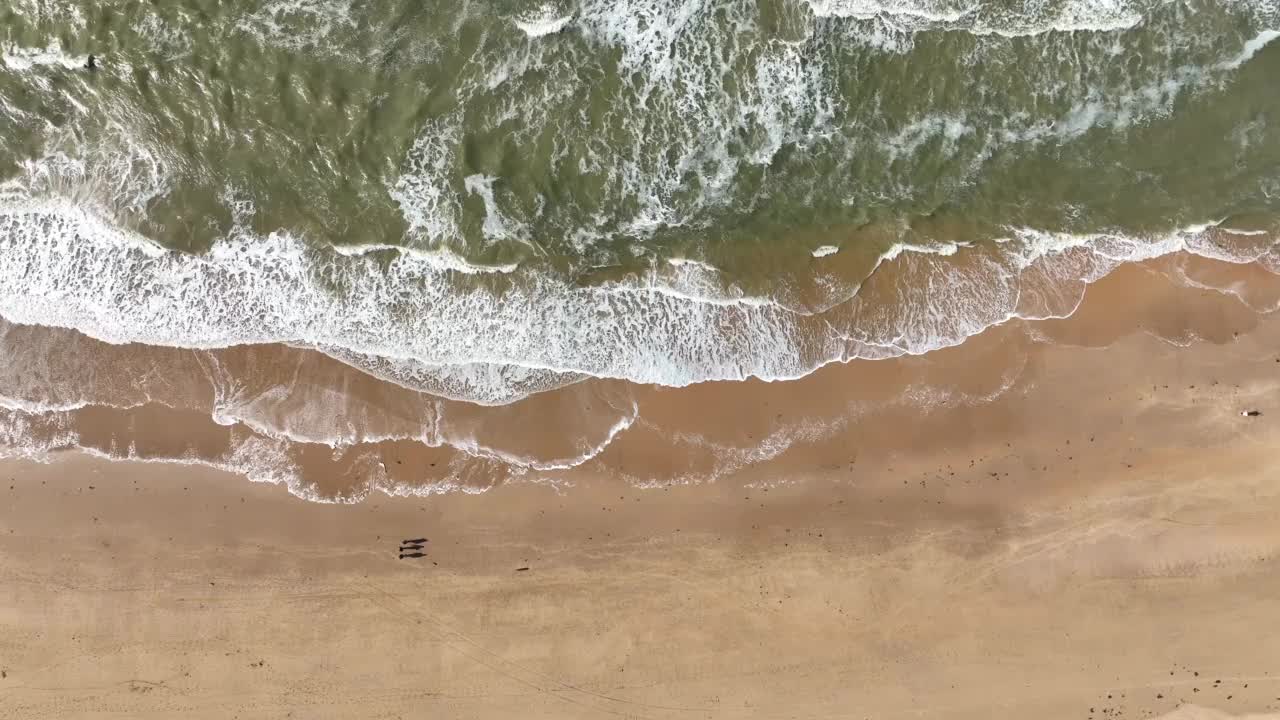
(333, 433)
(157, 592)
(1081, 513)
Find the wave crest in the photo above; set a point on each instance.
(413, 322)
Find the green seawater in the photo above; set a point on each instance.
(484, 199)
(744, 133)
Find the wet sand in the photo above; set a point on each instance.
(1064, 519)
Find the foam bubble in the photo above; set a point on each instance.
(25, 58)
(1250, 49)
(927, 11)
(33, 435)
(119, 174)
(427, 202)
(1032, 18)
(497, 225)
(441, 258)
(944, 249)
(479, 383)
(542, 23)
(587, 448)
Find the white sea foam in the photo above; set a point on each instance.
(497, 226)
(1032, 18)
(441, 258)
(909, 139)
(119, 175)
(934, 12)
(728, 459)
(1256, 301)
(692, 281)
(586, 448)
(299, 400)
(546, 22)
(54, 12)
(300, 24)
(38, 406)
(479, 383)
(262, 454)
(20, 58)
(61, 266)
(33, 435)
(675, 55)
(1250, 49)
(1242, 231)
(427, 201)
(37, 436)
(825, 250)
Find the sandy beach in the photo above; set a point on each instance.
(648, 359)
(1087, 528)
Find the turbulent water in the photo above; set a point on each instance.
(480, 202)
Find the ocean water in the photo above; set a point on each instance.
(483, 213)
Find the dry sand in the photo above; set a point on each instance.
(1091, 530)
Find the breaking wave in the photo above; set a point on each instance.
(423, 325)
